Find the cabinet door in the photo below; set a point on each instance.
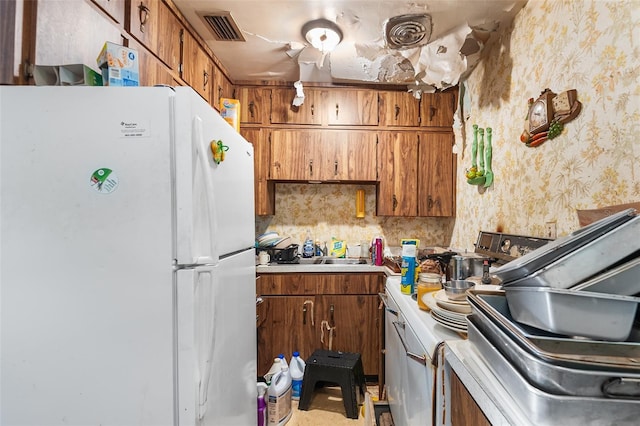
(144, 16)
(352, 107)
(114, 8)
(437, 109)
(349, 156)
(264, 188)
(196, 66)
(398, 109)
(283, 112)
(152, 71)
(293, 155)
(353, 326)
(253, 104)
(285, 324)
(169, 41)
(436, 174)
(222, 88)
(464, 409)
(397, 174)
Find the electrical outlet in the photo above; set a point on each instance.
(550, 230)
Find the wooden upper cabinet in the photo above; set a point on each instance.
(169, 39)
(436, 174)
(152, 70)
(327, 156)
(398, 175)
(222, 88)
(144, 17)
(254, 104)
(398, 109)
(197, 68)
(348, 156)
(114, 8)
(155, 26)
(437, 109)
(291, 156)
(352, 107)
(263, 187)
(283, 111)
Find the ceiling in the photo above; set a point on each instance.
(274, 48)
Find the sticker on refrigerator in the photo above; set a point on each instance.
(134, 129)
(104, 181)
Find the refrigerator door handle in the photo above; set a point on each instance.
(202, 149)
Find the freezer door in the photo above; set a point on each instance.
(85, 264)
(216, 342)
(215, 200)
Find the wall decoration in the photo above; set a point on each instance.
(480, 153)
(547, 116)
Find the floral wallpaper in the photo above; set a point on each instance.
(591, 46)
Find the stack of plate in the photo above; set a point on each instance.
(272, 240)
(447, 312)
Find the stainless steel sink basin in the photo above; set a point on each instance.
(340, 261)
(326, 260)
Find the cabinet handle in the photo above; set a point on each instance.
(219, 92)
(251, 106)
(205, 78)
(397, 112)
(335, 168)
(395, 202)
(310, 167)
(432, 113)
(304, 312)
(312, 110)
(144, 16)
(383, 297)
(337, 110)
(414, 356)
(429, 202)
(331, 320)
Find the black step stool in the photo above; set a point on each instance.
(341, 368)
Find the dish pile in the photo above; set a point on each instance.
(272, 240)
(554, 378)
(447, 312)
(581, 285)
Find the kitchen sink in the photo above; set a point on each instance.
(341, 261)
(326, 260)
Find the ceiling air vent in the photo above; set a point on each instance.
(222, 26)
(405, 31)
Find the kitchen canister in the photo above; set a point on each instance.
(427, 282)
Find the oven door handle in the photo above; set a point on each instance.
(419, 358)
(384, 297)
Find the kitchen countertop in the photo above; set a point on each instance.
(276, 268)
(486, 389)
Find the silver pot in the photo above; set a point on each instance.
(464, 266)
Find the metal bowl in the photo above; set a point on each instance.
(456, 289)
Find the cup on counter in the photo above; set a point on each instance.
(263, 258)
(428, 282)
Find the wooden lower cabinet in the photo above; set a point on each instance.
(464, 410)
(305, 312)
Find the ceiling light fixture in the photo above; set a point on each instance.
(323, 34)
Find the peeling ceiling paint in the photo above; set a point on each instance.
(276, 50)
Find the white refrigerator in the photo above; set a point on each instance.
(127, 269)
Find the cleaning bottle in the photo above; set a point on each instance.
(275, 368)
(297, 366)
(283, 361)
(279, 398)
(307, 248)
(262, 404)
